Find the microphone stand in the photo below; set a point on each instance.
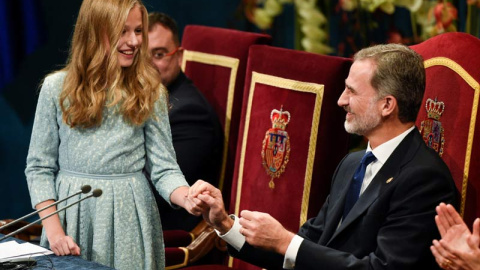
(95, 193)
(85, 189)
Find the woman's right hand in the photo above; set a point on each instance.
(60, 243)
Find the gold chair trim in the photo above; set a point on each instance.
(184, 263)
(228, 62)
(449, 63)
(314, 88)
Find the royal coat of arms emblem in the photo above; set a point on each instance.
(276, 145)
(431, 128)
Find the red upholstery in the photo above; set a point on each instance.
(301, 83)
(177, 238)
(209, 267)
(215, 60)
(307, 86)
(176, 258)
(30, 234)
(453, 74)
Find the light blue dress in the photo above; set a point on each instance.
(121, 228)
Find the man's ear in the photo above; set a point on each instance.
(180, 57)
(389, 105)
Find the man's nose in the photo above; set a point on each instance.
(342, 100)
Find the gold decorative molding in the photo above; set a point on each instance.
(184, 263)
(288, 84)
(449, 63)
(223, 61)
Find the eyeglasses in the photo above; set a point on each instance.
(159, 54)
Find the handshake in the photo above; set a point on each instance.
(206, 200)
(258, 229)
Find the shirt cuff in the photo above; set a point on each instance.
(291, 253)
(233, 236)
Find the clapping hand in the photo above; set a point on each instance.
(458, 248)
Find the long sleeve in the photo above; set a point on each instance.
(42, 159)
(197, 138)
(161, 161)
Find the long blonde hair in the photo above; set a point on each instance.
(94, 77)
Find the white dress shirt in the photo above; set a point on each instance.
(381, 152)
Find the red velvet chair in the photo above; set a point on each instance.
(285, 168)
(215, 60)
(291, 186)
(448, 119)
(31, 234)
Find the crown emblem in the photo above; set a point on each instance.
(280, 119)
(276, 145)
(431, 128)
(434, 108)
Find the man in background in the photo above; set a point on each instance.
(196, 131)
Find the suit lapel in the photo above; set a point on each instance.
(335, 211)
(399, 157)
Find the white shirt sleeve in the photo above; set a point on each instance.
(233, 236)
(291, 253)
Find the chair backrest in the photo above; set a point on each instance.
(448, 118)
(284, 166)
(215, 60)
(30, 234)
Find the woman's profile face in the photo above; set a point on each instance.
(131, 38)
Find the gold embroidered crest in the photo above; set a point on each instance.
(431, 129)
(276, 145)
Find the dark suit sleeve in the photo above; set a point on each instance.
(405, 229)
(197, 140)
(312, 229)
(272, 260)
(258, 257)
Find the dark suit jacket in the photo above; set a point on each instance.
(390, 227)
(198, 142)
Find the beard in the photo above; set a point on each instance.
(362, 124)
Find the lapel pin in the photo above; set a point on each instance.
(389, 180)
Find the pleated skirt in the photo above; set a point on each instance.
(121, 228)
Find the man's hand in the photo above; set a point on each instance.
(214, 213)
(263, 231)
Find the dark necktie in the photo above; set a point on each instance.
(355, 186)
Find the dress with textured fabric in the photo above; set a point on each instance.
(121, 228)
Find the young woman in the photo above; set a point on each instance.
(99, 122)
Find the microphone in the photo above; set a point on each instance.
(84, 189)
(95, 193)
